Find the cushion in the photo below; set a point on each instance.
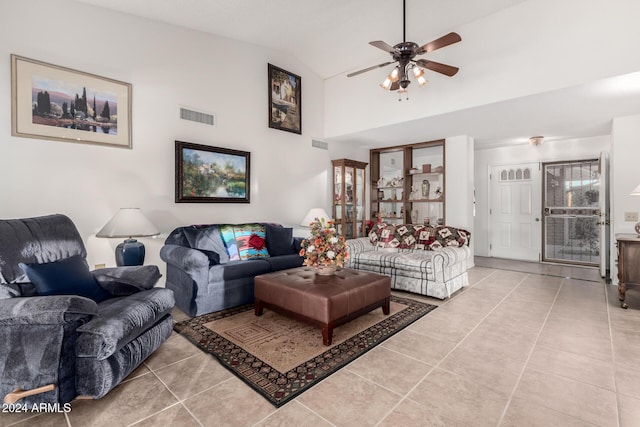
(210, 239)
(70, 276)
(229, 239)
(451, 236)
(121, 320)
(251, 242)
(279, 240)
(400, 236)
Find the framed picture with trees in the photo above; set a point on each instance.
(206, 174)
(57, 103)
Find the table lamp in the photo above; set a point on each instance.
(129, 223)
(313, 214)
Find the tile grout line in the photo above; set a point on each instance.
(312, 411)
(406, 396)
(613, 355)
(179, 401)
(533, 347)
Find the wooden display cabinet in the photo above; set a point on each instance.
(408, 184)
(349, 192)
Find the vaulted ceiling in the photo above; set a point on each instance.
(331, 37)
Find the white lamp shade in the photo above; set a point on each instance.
(313, 214)
(128, 222)
(636, 191)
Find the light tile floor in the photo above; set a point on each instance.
(514, 349)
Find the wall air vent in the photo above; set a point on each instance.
(197, 116)
(319, 144)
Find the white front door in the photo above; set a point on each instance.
(515, 212)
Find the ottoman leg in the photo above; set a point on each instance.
(327, 333)
(257, 307)
(385, 306)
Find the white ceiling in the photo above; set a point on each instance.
(331, 37)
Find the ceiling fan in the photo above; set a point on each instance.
(404, 54)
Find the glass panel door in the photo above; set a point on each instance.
(572, 212)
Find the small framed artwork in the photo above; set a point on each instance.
(57, 103)
(206, 174)
(284, 100)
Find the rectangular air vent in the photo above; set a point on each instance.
(319, 144)
(197, 116)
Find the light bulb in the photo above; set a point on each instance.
(422, 81)
(418, 72)
(386, 84)
(394, 75)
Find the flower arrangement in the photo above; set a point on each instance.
(324, 247)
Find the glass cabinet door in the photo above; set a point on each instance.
(349, 197)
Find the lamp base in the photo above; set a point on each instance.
(129, 252)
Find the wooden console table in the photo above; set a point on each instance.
(628, 263)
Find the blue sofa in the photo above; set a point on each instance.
(204, 276)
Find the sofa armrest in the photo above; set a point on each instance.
(192, 261)
(45, 310)
(446, 257)
(356, 246)
(123, 281)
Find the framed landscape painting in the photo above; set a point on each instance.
(207, 174)
(57, 103)
(284, 100)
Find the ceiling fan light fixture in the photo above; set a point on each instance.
(418, 73)
(386, 84)
(395, 75)
(536, 140)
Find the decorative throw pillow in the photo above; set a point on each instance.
(376, 230)
(229, 239)
(279, 240)
(70, 276)
(387, 237)
(405, 235)
(250, 239)
(451, 236)
(425, 236)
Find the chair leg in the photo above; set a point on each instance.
(19, 393)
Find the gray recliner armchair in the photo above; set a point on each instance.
(56, 344)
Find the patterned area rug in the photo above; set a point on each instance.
(281, 357)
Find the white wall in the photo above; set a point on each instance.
(167, 66)
(459, 159)
(550, 151)
(533, 47)
(625, 176)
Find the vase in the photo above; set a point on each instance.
(326, 270)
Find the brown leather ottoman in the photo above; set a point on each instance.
(327, 301)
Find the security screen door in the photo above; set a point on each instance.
(572, 212)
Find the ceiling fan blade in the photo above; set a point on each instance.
(443, 41)
(394, 86)
(445, 69)
(382, 45)
(355, 73)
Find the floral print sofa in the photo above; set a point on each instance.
(427, 260)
